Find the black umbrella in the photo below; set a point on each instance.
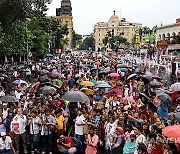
(145, 78)
(75, 96)
(164, 97)
(124, 70)
(8, 99)
(145, 96)
(48, 90)
(131, 76)
(43, 72)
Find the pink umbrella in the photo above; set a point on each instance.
(149, 73)
(98, 63)
(129, 99)
(53, 61)
(55, 74)
(114, 75)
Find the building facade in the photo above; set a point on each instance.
(116, 27)
(64, 15)
(168, 32)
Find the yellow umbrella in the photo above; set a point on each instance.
(87, 83)
(87, 91)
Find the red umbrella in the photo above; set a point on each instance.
(172, 131)
(34, 87)
(115, 90)
(114, 75)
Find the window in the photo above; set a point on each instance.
(99, 34)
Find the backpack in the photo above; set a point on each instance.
(77, 142)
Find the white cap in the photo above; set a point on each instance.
(4, 103)
(3, 134)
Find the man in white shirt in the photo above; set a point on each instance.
(18, 126)
(6, 145)
(79, 123)
(5, 110)
(140, 137)
(34, 122)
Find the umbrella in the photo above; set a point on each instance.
(114, 75)
(129, 99)
(66, 64)
(3, 75)
(34, 87)
(57, 82)
(164, 97)
(149, 73)
(8, 99)
(53, 61)
(87, 91)
(99, 82)
(87, 83)
(43, 72)
(156, 84)
(115, 90)
(124, 70)
(75, 96)
(103, 85)
(55, 74)
(121, 66)
(131, 76)
(145, 78)
(175, 86)
(98, 63)
(160, 90)
(157, 77)
(172, 131)
(145, 96)
(48, 90)
(19, 82)
(48, 55)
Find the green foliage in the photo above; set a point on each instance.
(23, 23)
(76, 39)
(88, 42)
(12, 10)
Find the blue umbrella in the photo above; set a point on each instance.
(48, 55)
(104, 85)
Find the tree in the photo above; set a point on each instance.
(76, 39)
(88, 42)
(12, 10)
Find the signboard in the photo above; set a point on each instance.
(162, 44)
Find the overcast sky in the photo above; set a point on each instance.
(148, 12)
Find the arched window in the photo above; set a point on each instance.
(159, 37)
(163, 37)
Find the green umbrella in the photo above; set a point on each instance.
(57, 82)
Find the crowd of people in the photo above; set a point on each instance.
(87, 103)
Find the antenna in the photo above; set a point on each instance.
(120, 12)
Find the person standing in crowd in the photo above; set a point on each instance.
(18, 126)
(91, 142)
(2, 122)
(6, 145)
(34, 122)
(79, 123)
(48, 127)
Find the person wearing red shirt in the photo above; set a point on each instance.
(66, 144)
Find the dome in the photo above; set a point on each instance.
(114, 17)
